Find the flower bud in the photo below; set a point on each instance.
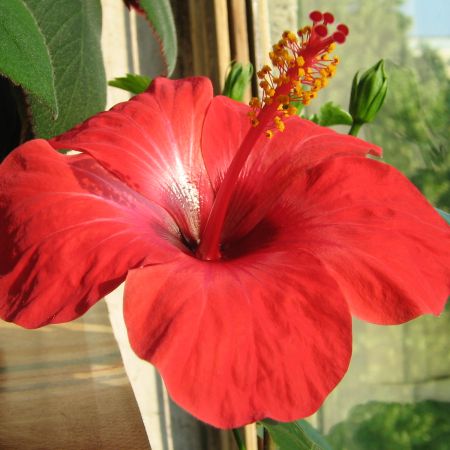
(368, 93)
(237, 80)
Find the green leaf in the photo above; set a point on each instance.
(160, 16)
(72, 30)
(132, 82)
(292, 435)
(238, 78)
(444, 214)
(332, 114)
(314, 435)
(24, 54)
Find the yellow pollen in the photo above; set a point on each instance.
(292, 110)
(255, 103)
(302, 66)
(283, 99)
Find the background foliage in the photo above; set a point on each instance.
(412, 127)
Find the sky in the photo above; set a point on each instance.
(431, 17)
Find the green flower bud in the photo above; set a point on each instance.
(238, 78)
(368, 93)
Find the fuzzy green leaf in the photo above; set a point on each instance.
(72, 30)
(160, 16)
(24, 54)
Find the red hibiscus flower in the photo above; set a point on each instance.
(243, 256)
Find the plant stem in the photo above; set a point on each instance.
(238, 438)
(354, 130)
(268, 441)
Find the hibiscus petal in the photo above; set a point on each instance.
(303, 143)
(383, 242)
(281, 159)
(69, 233)
(264, 335)
(152, 143)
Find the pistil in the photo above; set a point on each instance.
(302, 67)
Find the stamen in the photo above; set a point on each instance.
(302, 65)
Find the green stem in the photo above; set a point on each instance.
(238, 438)
(268, 441)
(354, 130)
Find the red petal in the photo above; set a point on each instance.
(382, 241)
(267, 335)
(152, 143)
(69, 233)
(281, 159)
(303, 143)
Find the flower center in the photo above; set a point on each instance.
(301, 67)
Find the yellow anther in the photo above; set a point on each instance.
(255, 103)
(289, 36)
(269, 134)
(283, 99)
(300, 61)
(336, 60)
(305, 30)
(294, 74)
(280, 125)
(331, 47)
(292, 110)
